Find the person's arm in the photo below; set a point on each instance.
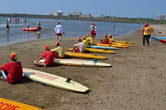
(38, 59)
(142, 31)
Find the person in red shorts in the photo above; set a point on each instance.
(59, 31)
(92, 30)
(12, 71)
(49, 58)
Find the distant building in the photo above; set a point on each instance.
(58, 13)
(85, 16)
(74, 14)
(103, 15)
(161, 17)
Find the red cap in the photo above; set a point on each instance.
(58, 23)
(83, 37)
(79, 39)
(105, 35)
(57, 44)
(146, 25)
(47, 47)
(13, 56)
(87, 35)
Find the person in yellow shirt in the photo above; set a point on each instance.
(89, 39)
(146, 34)
(111, 39)
(85, 41)
(59, 50)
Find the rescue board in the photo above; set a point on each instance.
(96, 50)
(54, 80)
(77, 62)
(6, 104)
(102, 47)
(84, 55)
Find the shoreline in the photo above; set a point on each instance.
(103, 19)
(135, 81)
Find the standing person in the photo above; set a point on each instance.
(25, 20)
(48, 55)
(7, 27)
(39, 25)
(79, 47)
(146, 34)
(59, 31)
(92, 30)
(59, 50)
(12, 71)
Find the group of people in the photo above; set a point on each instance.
(12, 71)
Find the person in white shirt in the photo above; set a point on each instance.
(59, 31)
(79, 47)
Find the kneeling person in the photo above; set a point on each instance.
(48, 55)
(59, 50)
(79, 47)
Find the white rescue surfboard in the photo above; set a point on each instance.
(54, 80)
(77, 62)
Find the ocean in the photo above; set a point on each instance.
(72, 28)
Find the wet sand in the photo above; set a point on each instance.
(136, 81)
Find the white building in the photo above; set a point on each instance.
(58, 13)
(75, 14)
(161, 17)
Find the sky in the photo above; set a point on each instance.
(119, 8)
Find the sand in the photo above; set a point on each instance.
(136, 81)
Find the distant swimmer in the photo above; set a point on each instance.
(59, 31)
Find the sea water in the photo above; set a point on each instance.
(72, 28)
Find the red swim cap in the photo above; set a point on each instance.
(105, 35)
(13, 56)
(83, 37)
(146, 25)
(47, 47)
(57, 44)
(79, 39)
(58, 23)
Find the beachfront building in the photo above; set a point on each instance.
(85, 16)
(58, 13)
(74, 14)
(161, 17)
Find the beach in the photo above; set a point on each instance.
(136, 80)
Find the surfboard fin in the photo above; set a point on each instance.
(68, 80)
(96, 60)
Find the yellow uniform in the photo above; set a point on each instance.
(60, 51)
(85, 43)
(91, 41)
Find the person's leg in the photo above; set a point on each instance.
(143, 40)
(60, 38)
(147, 40)
(4, 74)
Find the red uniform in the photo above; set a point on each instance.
(49, 56)
(14, 70)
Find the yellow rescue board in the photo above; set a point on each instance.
(116, 41)
(96, 50)
(84, 55)
(6, 104)
(112, 45)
